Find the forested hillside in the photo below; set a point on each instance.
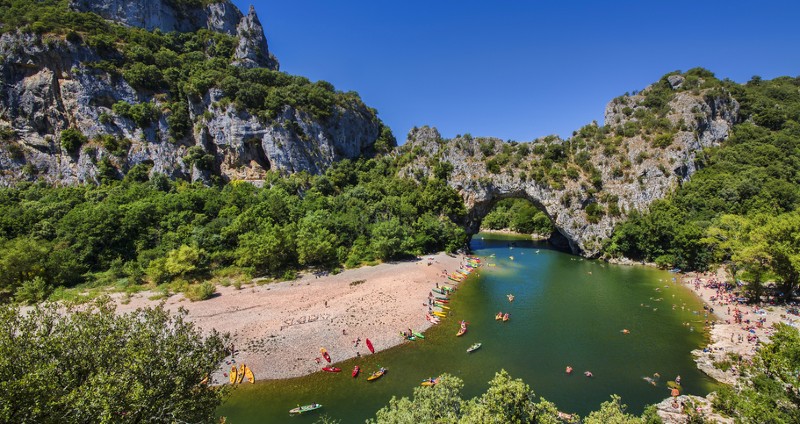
(172, 233)
(88, 99)
(740, 207)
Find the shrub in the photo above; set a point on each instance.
(202, 291)
(32, 291)
(72, 139)
(594, 212)
(663, 141)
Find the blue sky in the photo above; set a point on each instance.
(520, 69)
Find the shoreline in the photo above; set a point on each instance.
(535, 237)
(726, 336)
(732, 340)
(278, 329)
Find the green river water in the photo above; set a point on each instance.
(567, 311)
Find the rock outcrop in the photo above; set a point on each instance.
(619, 173)
(52, 84)
(170, 15)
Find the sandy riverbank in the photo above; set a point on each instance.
(727, 335)
(277, 329)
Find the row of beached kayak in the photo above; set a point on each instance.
(439, 302)
(238, 375)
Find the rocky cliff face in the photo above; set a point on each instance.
(629, 171)
(52, 84)
(170, 15)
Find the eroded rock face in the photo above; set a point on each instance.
(629, 178)
(49, 88)
(221, 16)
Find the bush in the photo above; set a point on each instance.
(665, 261)
(202, 291)
(33, 291)
(663, 141)
(72, 139)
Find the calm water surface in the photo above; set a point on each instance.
(567, 311)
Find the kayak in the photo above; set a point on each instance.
(429, 382)
(248, 374)
(442, 306)
(474, 347)
(418, 335)
(233, 374)
(305, 408)
(331, 369)
(369, 346)
(377, 374)
(442, 301)
(442, 298)
(438, 291)
(356, 369)
(439, 314)
(240, 375)
(499, 316)
(412, 338)
(461, 331)
(325, 354)
(505, 317)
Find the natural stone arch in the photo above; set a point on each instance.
(476, 214)
(601, 185)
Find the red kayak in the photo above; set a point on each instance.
(369, 346)
(355, 371)
(331, 369)
(325, 354)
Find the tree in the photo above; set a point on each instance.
(21, 259)
(509, 401)
(316, 245)
(782, 244)
(612, 412)
(769, 389)
(90, 364)
(266, 251)
(506, 401)
(389, 238)
(441, 403)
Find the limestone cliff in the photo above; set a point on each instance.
(592, 181)
(56, 83)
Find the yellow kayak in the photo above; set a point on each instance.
(248, 373)
(233, 374)
(439, 314)
(240, 376)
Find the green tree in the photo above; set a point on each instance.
(90, 364)
(21, 259)
(316, 245)
(441, 403)
(509, 401)
(612, 412)
(266, 251)
(389, 239)
(769, 389)
(782, 245)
